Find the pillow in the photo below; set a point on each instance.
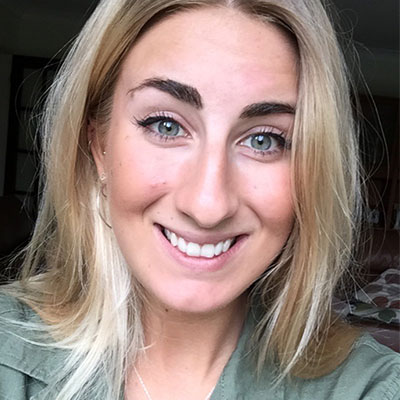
(380, 299)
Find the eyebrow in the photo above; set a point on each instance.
(266, 108)
(191, 95)
(180, 91)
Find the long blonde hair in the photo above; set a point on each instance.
(74, 274)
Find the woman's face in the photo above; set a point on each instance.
(197, 156)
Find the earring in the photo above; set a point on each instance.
(103, 177)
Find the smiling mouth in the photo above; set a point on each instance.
(191, 249)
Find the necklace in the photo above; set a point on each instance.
(146, 392)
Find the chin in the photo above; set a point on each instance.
(195, 300)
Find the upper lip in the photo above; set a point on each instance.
(201, 238)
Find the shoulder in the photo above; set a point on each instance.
(380, 368)
(366, 348)
(14, 317)
(8, 304)
(27, 360)
(371, 372)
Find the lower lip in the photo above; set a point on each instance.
(200, 264)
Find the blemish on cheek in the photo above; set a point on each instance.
(154, 185)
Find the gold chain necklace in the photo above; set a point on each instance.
(146, 392)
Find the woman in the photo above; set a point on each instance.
(199, 205)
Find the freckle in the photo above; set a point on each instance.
(166, 310)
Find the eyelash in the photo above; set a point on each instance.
(145, 123)
(281, 142)
(161, 117)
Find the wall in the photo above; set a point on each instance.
(5, 72)
(28, 34)
(380, 69)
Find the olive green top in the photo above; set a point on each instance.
(371, 372)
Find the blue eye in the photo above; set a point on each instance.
(261, 142)
(265, 142)
(168, 128)
(165, 127)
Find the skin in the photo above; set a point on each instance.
(207, 184)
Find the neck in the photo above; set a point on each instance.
(173, 336)
(186, 352)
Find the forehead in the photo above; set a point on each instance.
(210, 46)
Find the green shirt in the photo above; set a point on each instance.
(371, 372)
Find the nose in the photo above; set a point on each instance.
(207, 193)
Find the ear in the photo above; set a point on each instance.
(96, 147)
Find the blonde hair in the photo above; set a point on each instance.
(74, 274)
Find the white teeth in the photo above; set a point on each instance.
(182, 245)
(218, 249)
(208, 250)
(226, 245)
(173, 239)
(193, 249)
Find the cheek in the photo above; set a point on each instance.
(270, 194)
(136, 181)
(139, 173)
